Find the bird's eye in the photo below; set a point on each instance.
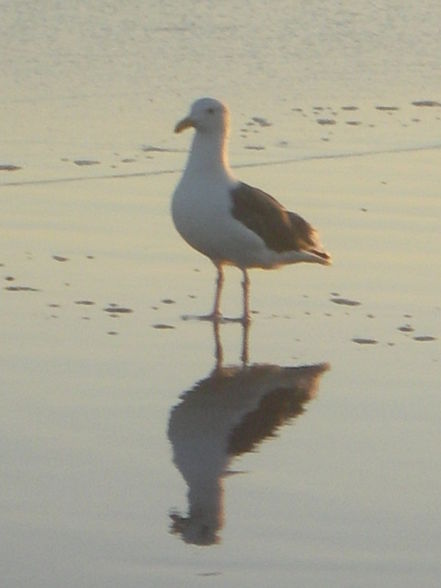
(210, 110)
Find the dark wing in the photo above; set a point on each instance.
(280, 230)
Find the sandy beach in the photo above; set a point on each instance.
(128, 458)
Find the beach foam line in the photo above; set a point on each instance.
(298, 159)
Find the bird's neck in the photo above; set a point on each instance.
(208, 154)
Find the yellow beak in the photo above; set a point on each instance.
(183, 124)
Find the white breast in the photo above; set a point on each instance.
(201, 211)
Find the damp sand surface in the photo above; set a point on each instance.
(98, 358)
(138, 448)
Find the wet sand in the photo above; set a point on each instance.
(96, 355)
(140, 448)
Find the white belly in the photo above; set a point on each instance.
(203, 218)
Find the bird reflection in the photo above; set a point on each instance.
(225, 415)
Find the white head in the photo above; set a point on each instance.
(207, 115)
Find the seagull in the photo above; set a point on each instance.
(229, 221)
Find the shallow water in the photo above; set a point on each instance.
(137, 447)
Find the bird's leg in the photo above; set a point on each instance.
(246, 317)
(216, 314)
